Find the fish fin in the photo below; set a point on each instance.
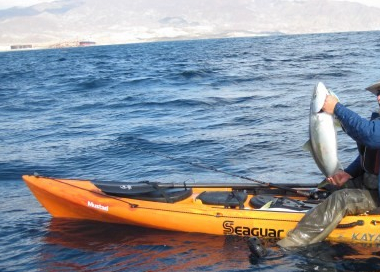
(307, 146)
(267, 205)
(337, 123)
(322, 184)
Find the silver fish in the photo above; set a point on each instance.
(323, 135)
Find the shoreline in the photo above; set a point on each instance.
(70, 44)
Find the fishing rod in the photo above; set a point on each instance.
(311, 194)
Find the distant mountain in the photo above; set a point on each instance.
(125, 21)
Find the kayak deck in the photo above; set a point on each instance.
(80, 199)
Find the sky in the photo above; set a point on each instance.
(4, 4)
(371, 3)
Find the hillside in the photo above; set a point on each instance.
(125, 21)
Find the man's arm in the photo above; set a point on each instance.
(361, 130)
(355, 169)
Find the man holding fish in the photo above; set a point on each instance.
(358, 184)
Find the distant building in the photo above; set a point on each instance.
(72, 44)
(21, 46)
(86, 43)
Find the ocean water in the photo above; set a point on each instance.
(240, 105)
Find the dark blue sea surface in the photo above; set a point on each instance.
(240, 105)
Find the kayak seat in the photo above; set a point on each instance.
(270, 201)
(170, 195)
(227, 199)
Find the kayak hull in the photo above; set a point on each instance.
(80, 199)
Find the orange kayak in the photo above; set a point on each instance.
(215, 210)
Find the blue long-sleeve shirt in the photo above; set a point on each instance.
(364, 132)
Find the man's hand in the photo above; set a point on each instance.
(339, 178)
(330, 104)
